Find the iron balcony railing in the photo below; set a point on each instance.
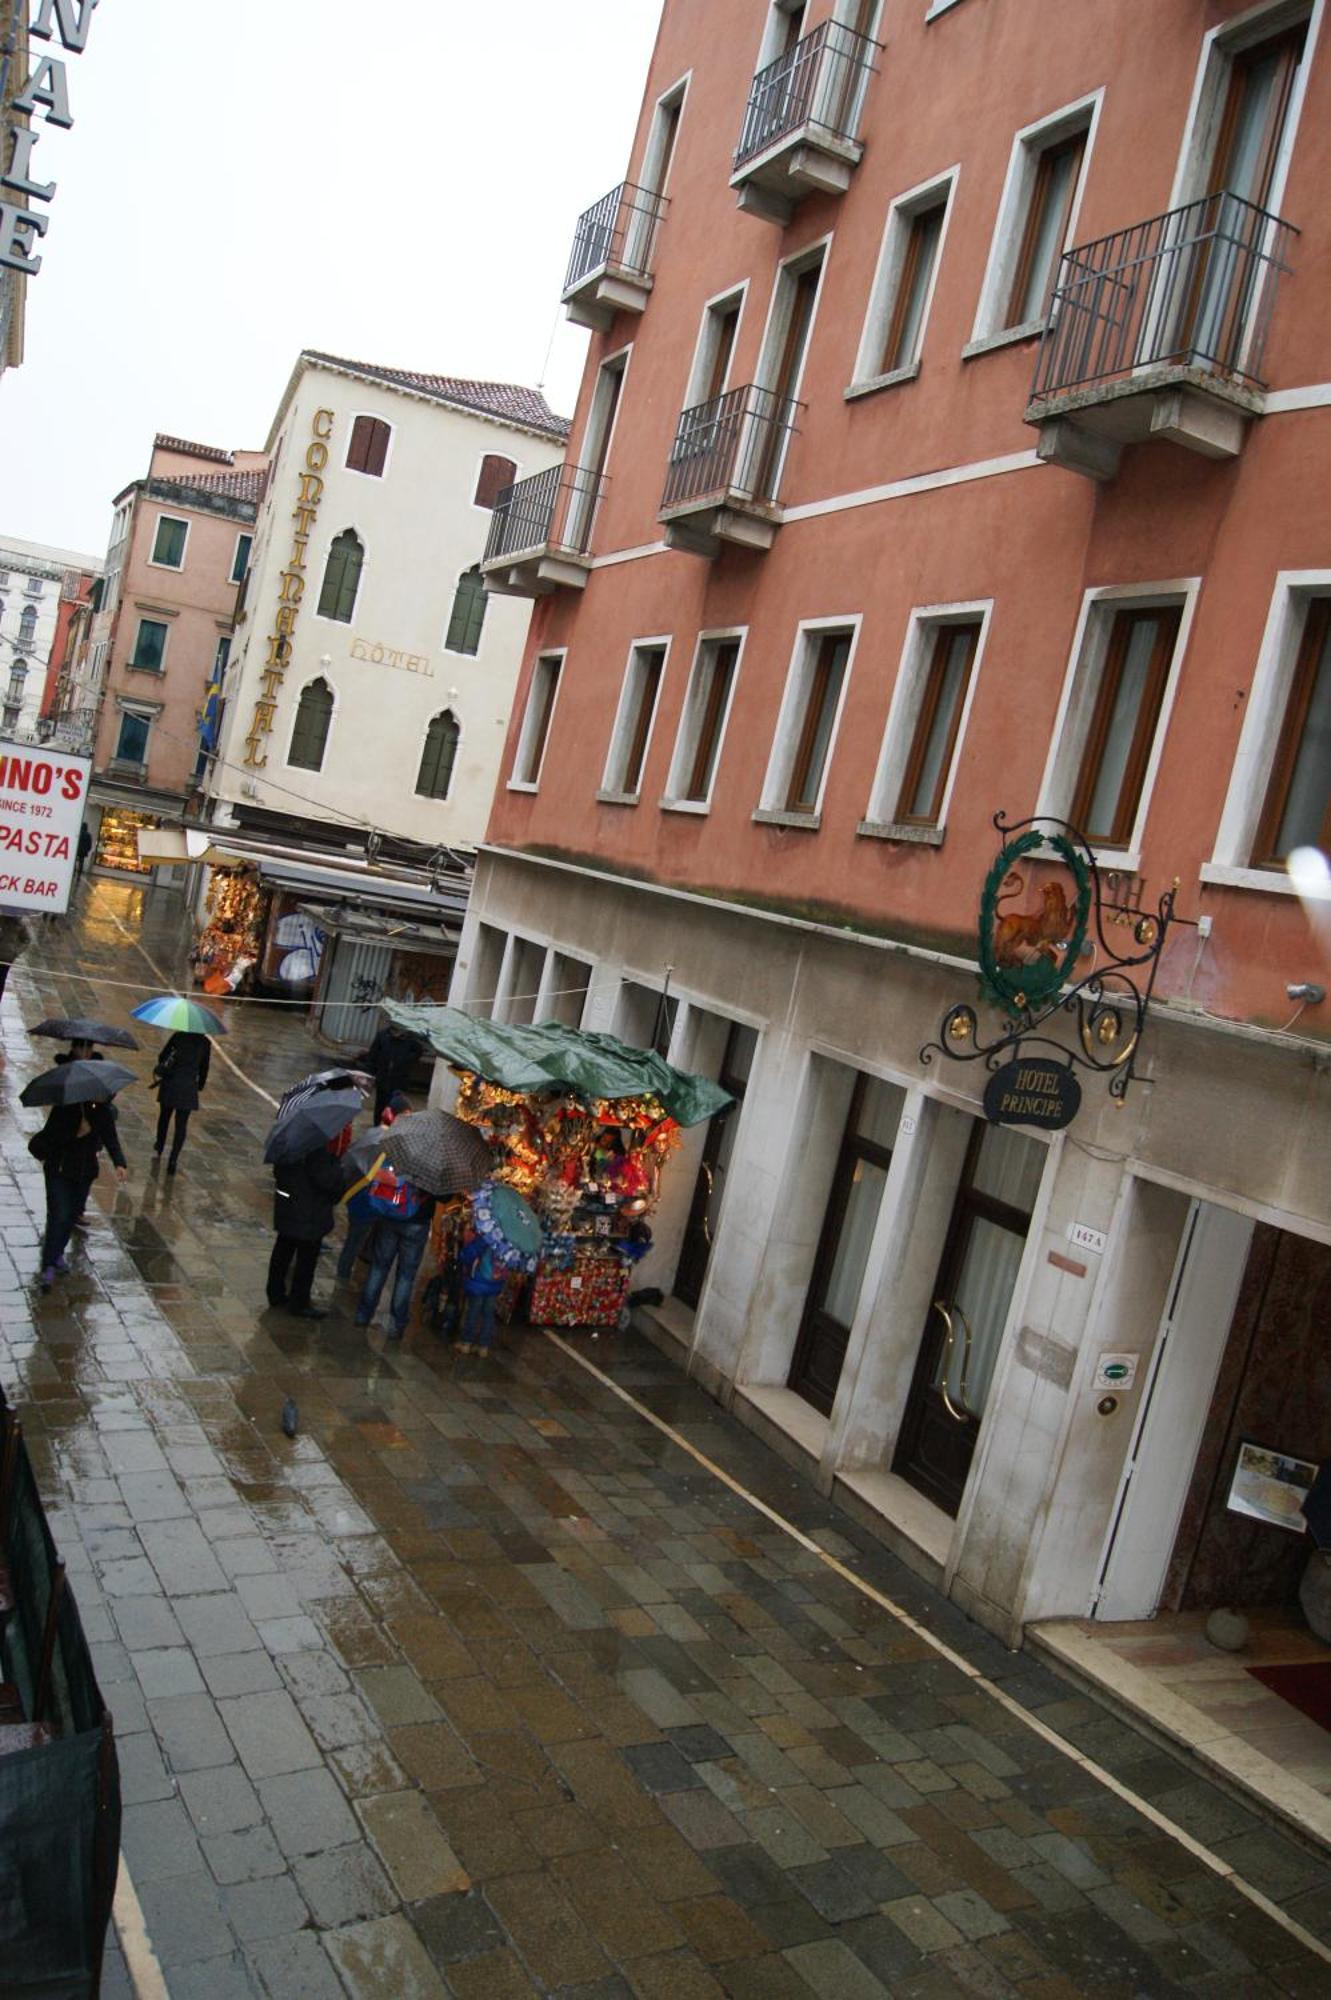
(819, 81)
(552, 510)
(1194, 287)
(730, 448)
(619, 229)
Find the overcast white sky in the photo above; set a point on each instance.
(394, 182)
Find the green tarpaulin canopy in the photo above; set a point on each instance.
(553, 1057)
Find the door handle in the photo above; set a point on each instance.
(707, 1205)
(961, 1415)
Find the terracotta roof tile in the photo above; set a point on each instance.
(509, 402)
(212, 452)
(239, 485)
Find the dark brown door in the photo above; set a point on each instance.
(964, 1327)
(718, 1148)
(843, 1245)
(1252, 127)
(774, 415)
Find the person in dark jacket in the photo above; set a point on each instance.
(304, 1194)
(180, 1073)
(13, 941)
(390, 1060)
(67, 1146)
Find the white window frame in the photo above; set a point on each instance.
(903, 714)
(886, 286)
(379, 418)
(522, 753)
(241, 535)
(937, 7)
(1013, 206)
(690, 719)
(142, 712)
(431, 798)
(1210, 90)
(610, 793)
(147, 618)
(791, 716)
(312, 595)
(704, 347)
(775, 330)
(1081, 684)
(481, 457)
(1230, 865)
(650, 177)
(583, 505)
(181, 521)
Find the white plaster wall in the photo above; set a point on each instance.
(420, 530)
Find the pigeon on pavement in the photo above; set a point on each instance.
(290, 1417)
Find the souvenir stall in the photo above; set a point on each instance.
(582, 1128)
(230, 938)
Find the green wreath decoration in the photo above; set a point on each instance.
(1020, 989)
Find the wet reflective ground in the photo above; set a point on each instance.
(483, 1687)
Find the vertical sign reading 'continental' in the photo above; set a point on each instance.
(291, 590)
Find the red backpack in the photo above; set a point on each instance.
(393, 1199)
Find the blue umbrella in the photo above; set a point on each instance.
(185, 1017)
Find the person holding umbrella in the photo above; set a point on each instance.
(180, 1073)
(304, 1149)
(401, 1214)
(80, 1125)
(390, 1060)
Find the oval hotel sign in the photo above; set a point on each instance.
(1034, 1090)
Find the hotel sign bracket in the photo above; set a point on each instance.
(1044, 912)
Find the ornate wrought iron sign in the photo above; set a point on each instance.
(1053, 945)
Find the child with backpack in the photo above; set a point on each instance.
(481, 1285)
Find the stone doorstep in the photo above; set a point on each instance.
(1217, 1754)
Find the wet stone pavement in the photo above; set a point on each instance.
(481, 1686)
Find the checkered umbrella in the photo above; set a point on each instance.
(438, 1153)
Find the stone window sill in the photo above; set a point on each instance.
(804, 822)
(686, 805)
(1009, 337)
(1222, 876)
(886, 829)
(617, 798)
(873, 383)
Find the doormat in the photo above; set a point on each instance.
(1307, 1687)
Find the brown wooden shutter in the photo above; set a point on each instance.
(496, 473)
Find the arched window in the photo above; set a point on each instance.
(496, 473)
(368, 449)
(468, 614)
(27, 623)
(437, 758)
(18, 673)
(309, 738)
(341, 581)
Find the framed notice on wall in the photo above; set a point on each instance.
(1269, 1485)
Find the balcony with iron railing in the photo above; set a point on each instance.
(540, 533)
(610, 269)
(725, 471)
(800, 123)
(1159, 332)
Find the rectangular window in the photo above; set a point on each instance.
(705, 710)
(823, 674)
(933, 745)
(132, 742)
(150, 646)
(221, 656)
(633, 725)
(1297, 809)
(1045, 226)
(1123, 724)
(536, 720)
(169, 542)
(240, 561)
(905, 332)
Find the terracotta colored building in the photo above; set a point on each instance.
(179, 548)
(845, 559)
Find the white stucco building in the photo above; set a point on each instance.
(371, 678)
(32, 582)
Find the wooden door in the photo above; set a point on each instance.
(718, 1149)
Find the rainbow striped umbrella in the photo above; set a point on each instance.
(185, 1017)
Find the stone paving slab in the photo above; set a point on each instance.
(480, 1687)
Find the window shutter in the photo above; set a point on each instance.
(496, 473)
(368, 450)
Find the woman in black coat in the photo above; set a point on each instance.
(304, 1195)
(180, 1074)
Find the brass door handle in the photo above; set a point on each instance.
(706, 1207)
(963, 1414)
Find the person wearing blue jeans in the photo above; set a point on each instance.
(403, 1244)
(481, 1285)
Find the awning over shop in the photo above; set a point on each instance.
(379, 927)
(360, 886)
(553, 1057)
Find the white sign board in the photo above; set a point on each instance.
(1116, 1371)
(42, 798)
(1086, 1238)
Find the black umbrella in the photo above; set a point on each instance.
(77, 1083)
(304, 1123)
(438, 1152)
(79, 1030)
(324, 1079)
